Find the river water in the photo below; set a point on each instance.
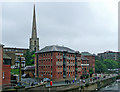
(114, 87)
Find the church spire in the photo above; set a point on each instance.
(34, 41)
(34, 33)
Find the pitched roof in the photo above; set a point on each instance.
(5, 56)
(29, 68)
(86, 54)
(56, 48)
(83, 58)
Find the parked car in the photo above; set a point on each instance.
(19, 85)
(46, 80)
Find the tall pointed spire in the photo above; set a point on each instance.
(34, 33)
(34, 41)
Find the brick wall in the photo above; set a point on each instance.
(91, 62)
(1, 63)
(7, 76)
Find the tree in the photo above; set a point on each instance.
(100, 67)
(110, 64)
(29, 57)
(91, 71)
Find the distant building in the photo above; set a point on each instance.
(34, 41)
(58, 62)
(91, 59)
(14, 53)
(4, 68)
(108, 55)
(29, 71)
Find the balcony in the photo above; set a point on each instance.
(84, 64)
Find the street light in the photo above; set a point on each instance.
(20, 55)
(20, 69)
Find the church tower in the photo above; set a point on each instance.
(34, 41)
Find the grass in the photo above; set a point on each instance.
(15, 71)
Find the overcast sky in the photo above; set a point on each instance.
(82, 26)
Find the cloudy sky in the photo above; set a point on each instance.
(82, 26)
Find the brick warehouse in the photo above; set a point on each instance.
(4, 68)
(91, 58)
(60, 62)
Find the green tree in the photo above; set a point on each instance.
(29, 57)
(100, 67)
(110, 64)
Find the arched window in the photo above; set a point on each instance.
(35, 42)
(35, 49)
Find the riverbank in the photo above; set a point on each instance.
(91, 86)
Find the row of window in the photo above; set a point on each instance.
(46, 54)
(69, 55)
(14, 50)
(46, 67)
(85, 68)
(84, 62)
(45, 60)
(70, 72)
(45, 73)
(50, 54)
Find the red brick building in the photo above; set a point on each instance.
(58, 62)
(5, 76)
(91, 59)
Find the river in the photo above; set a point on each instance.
(114, 87)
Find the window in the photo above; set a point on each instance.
(35, 49)
(35, 42)
(3, 75)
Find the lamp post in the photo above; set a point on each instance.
(20, 55)
(20, 69)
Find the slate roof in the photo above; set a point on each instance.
(5, 56)
(28, 68)
(86, 54)
(83, 58)
(56, 48)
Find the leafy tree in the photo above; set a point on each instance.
(29, 57)
(100, 67)
(91, 71)
(110, 64)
